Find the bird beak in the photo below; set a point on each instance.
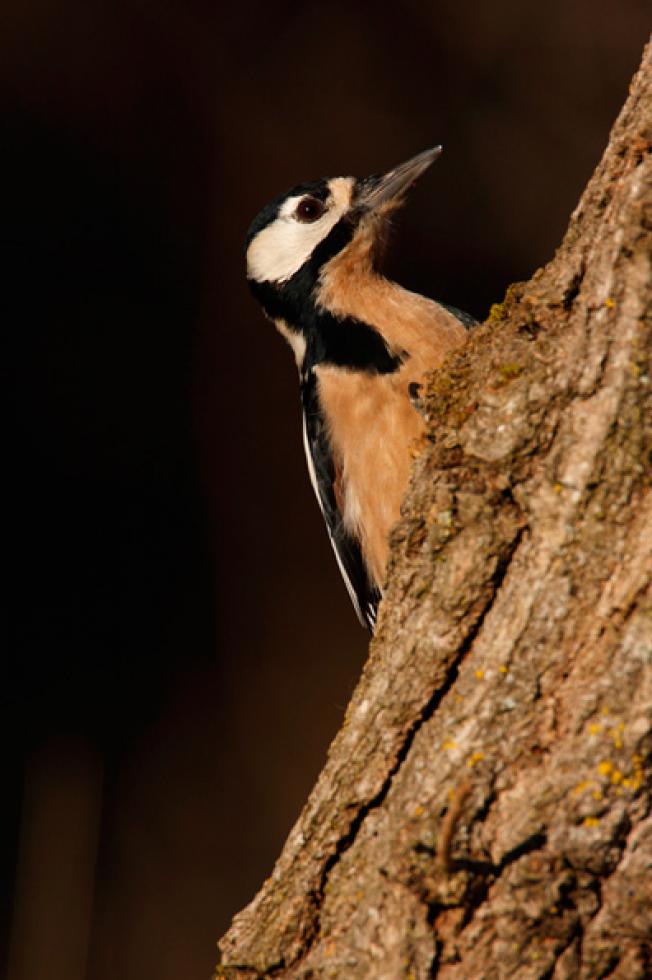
(378, 190)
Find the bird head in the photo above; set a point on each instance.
(306, 227)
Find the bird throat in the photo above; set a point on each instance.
(316, 334)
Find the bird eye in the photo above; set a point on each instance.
(309, 209)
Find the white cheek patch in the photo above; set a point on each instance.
(280, 249)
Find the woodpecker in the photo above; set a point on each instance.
(362, 345)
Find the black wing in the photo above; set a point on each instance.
(465, 318)
(364, 594)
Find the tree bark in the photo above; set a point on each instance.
(485, 809)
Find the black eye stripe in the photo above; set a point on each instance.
(309, 209)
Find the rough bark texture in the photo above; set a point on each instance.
(485, 808)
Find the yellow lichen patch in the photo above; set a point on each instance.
(616, 777)
(479, 674)
(594, 728)
(637, 776)
(558, 488)
(590, 821)
(510, 370)
(474, 758)
(502, 669)
(610, 302)
(496, 313)
(597, 794)
(448, 744)
(419, 810)
(616, 734)
(585, 784)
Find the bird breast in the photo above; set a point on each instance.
(372, 422)
(371, 426)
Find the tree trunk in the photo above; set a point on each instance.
(485, 808)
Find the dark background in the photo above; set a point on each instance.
(180, 647)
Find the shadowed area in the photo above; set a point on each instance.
(181, 647)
